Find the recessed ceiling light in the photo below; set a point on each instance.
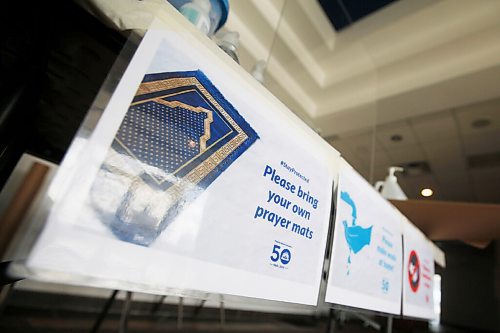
(396, 138)
(426, 192)
(481, 123)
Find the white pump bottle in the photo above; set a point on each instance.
(390, 187)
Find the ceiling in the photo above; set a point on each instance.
(344, 13)
(423, 71)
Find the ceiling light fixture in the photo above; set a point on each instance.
(481, 123)
(427, 192)
(396, 138)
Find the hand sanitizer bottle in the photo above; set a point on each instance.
(198, 12)
(390, 187)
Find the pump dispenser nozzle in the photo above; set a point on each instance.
(392, 170)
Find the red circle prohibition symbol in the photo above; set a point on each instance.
(414, 271)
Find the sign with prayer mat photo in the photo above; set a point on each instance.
(195, 179)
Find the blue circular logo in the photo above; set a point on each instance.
(285, 256)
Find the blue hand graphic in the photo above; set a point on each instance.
(356, 236)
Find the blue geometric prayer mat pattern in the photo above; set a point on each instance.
(179, 134)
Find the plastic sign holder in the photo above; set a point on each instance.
(193, 179)
(418, 273)
(365, 268)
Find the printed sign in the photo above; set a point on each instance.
(365, 270)
(193, 180)
(418, 273)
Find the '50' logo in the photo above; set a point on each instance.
(284, 255)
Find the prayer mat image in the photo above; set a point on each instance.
(178, 135)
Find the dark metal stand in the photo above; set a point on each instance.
(125, 312)
(156, 306)
(222, 313)
(4, 296)
(180, 313)
(198, 308)
(331, 324)
(104, 312)
(389, 324)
